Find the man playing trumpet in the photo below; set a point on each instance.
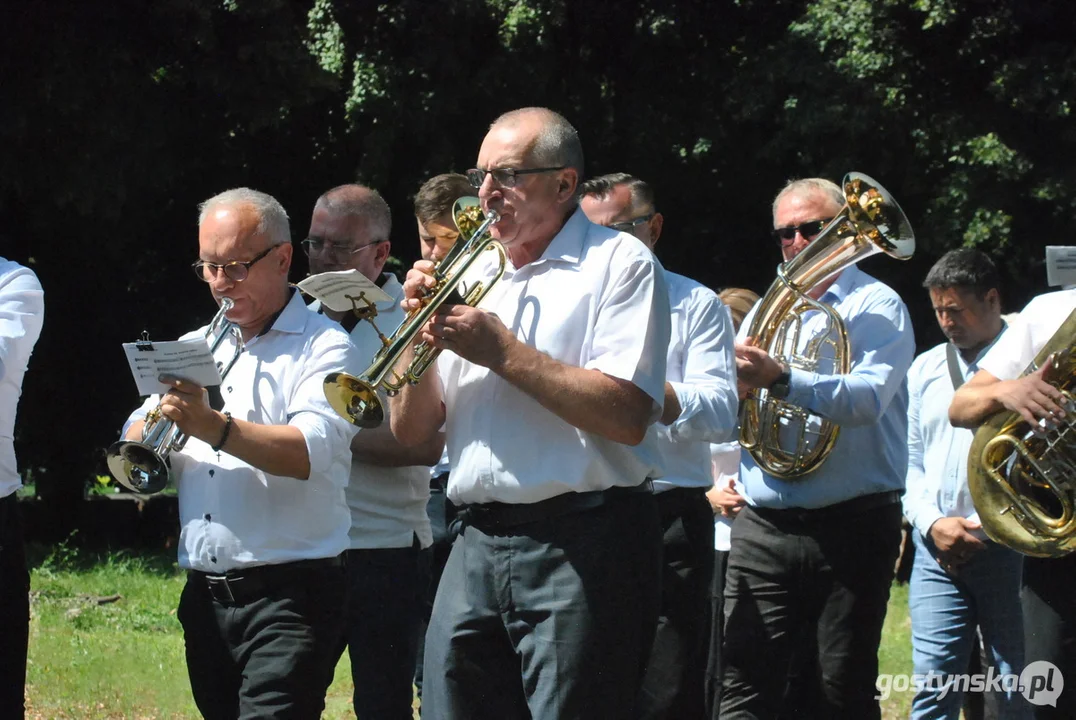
(549, 600)
(261, 481)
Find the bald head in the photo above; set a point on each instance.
(556, 142)
(349, 230)
(359, 201)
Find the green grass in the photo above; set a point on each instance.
(93, 658)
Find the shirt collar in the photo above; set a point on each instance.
(293, 318)
(842, 286)
(567, 245)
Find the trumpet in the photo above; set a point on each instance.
(143, 465)
(355, 398)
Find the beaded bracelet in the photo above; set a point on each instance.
(224, 435)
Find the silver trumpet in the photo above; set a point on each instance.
(143, 466)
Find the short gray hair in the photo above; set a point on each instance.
(557, 143)
(359, 201)
(806, 186)
(272, 219)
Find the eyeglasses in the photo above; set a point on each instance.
(316, 247)
(784, 236)
(236, 270)
(505, 177)
(628, 226)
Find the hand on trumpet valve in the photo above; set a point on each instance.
(418, 285)
(187, 405)
(471, 333)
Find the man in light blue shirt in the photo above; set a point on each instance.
(813, 556)
(960, 578)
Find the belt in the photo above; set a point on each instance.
(855, 506)
(239, 587)
(497, 515)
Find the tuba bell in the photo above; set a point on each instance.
(143, 465)
(355, 398)
(1022, 479)
(786, 440)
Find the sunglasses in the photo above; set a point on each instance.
(629, 225)
(786, 235)
(505, 177)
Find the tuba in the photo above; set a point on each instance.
(1023, 479)
(355, 398)
(786, 440)
(143, 466)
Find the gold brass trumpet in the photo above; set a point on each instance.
(143, 466)
(355, 398)
(1023, 479)
(787, 440)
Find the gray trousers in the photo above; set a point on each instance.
(551, 619)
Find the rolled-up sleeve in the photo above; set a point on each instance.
(883, 347)
(22, 313)
(707, 393)
(328, 436)
(632, 329)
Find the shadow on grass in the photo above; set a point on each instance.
(69, 556)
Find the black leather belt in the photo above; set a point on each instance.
(239, 587)
(855, 506)
(497, 515)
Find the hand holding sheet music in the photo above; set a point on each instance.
(186, 359)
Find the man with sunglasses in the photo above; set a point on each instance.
(389, 488)
(700, 408)
(548, 603)
(813, 557)
(264, 522)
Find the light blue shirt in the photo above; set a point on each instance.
(937, 451)
(870, 403)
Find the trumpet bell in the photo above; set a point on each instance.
(138, 467)
(354, 400)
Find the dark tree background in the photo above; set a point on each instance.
(117, 118)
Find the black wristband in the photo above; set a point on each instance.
(224, 435)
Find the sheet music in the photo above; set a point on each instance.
(186, 359)
(336, 289)
(1060, 265)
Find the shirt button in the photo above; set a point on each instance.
(212, 558)
(229, 388)
(208, 517)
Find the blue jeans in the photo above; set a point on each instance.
(945, 610)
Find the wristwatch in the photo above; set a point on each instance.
(782, 385)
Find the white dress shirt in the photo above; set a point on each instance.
(701, 368)
(1027, 334)
(22, 312)
(388, 504)
(937, 484)
(233, 515)
(596, 299)
(870, 403)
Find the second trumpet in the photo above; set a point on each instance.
(356, 398)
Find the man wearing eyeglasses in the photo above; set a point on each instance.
(548, 603)
(389, 487)
(264, 522)
(700, 408)
(813, 557)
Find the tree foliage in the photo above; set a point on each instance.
(119, 117)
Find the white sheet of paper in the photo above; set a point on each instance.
(336, 289)
(1060, 265)
(185, 359)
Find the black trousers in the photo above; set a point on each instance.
(445, 524)
(551, 619)
(1049, 604)
(792, 574)
(386, 590)
(270, 657)
(673, 686)
(14, 611)
(717, 634)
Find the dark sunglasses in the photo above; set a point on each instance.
(785, 235)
